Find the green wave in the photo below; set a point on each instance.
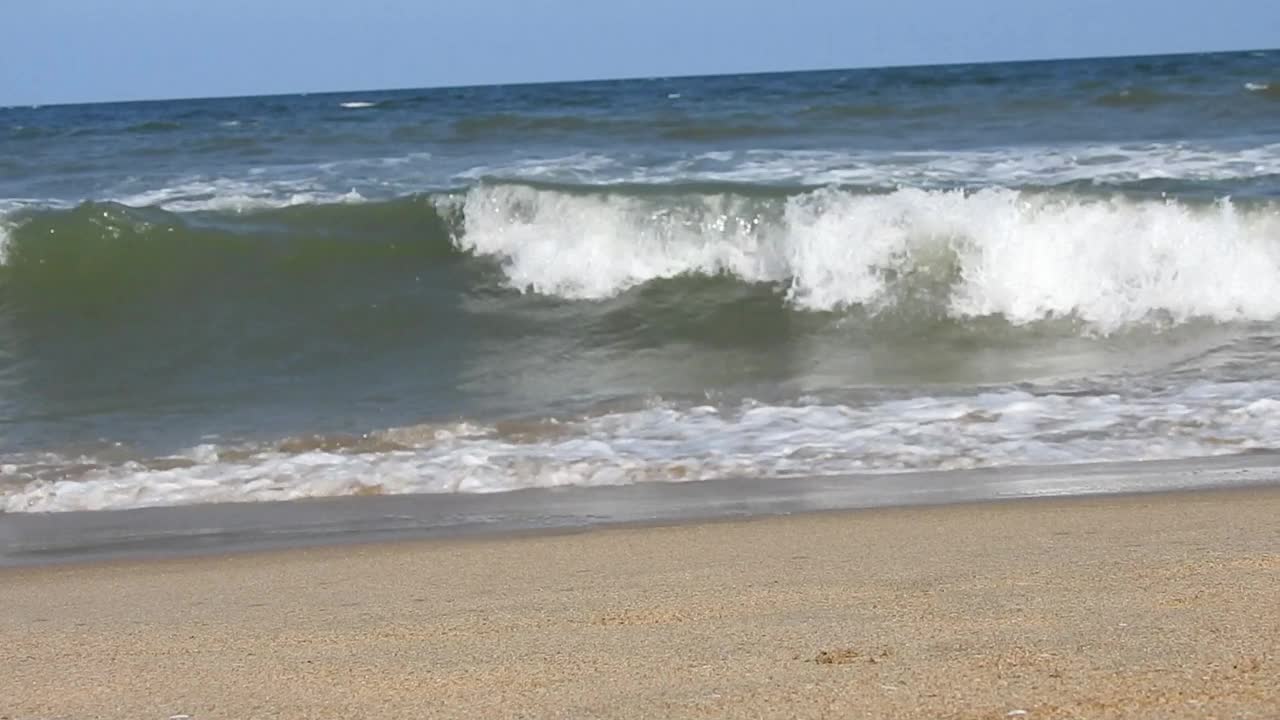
(101, 254)
(100, 258)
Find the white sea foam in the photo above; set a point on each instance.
(237, 195)
(386, 177)
(664, 443)
(381, 177)
(1012, 166)
(1026, 257)
(1257, 87)
(1009, 166)
(577, 167)
(357, 105)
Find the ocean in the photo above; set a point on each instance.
(755, 280)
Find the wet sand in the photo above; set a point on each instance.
(1152, 606)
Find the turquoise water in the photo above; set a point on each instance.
(670, 279)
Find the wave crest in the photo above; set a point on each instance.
(1107, 262)
(98, 254)
(1102, 261)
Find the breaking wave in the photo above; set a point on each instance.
(1105, 262)
(670, 443)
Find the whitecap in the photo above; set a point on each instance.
(235, 195)
(1046, 165)
(669, 443)
(1107, 262)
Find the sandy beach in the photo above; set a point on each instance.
(1155, 606)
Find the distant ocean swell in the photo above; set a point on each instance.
(1102, 261)
(680, 121)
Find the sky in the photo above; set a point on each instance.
(93, 50)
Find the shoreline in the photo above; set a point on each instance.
(360, 544)
(28, 539)
(1134, 606)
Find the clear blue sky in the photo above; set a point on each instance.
(90, 50)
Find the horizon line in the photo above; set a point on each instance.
(634, 78)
